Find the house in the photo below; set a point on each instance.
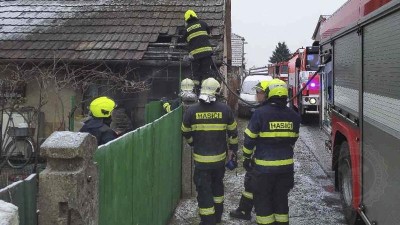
(317, 35)
(126, 43)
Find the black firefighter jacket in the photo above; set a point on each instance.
(196, 35)
(101, 131)
(207, 127)
(271, 134)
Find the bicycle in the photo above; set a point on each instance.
(18, 150)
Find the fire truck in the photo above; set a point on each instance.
(302, 66)
(360, 89)
(279, 70)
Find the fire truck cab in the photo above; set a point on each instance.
(279, 70)
(360, 89)
(302, 66)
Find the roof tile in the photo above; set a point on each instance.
(143, 46)
(120, 30)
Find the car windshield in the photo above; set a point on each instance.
(248, 87)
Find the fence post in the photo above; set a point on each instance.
(68, 187)
(188, 187)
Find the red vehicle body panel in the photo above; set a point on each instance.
(353, 136)
(349, 13)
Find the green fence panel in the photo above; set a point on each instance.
(153, 111)
(23, 195)
(140, 174)
(167, 165)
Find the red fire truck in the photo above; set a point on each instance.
(302, 66)
(360, 89)
(279, 70)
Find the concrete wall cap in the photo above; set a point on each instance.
(8, 213)
(68, 145)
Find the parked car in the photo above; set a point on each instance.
(248, 93)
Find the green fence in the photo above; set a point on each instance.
(23, 195)
(153, 111)
(140, 174)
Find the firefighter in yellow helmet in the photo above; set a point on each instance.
(197, 36)
(268, 147)
(206, 126)
(246, 202)
(99, 123)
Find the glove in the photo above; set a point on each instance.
(232, 163)
(247, 164)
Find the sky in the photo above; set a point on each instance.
(264, 23)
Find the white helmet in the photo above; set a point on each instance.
(187, 85)
(210, 87)
(187, 93)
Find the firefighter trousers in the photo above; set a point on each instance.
(210, 194)
(246, 200)
(202, 69)
(271, 197)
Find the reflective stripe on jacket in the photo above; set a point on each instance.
(196, 36)
(210, 128)
(271, 134)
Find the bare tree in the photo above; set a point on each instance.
(59, 75)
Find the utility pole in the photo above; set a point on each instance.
(231, 79)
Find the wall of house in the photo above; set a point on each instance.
(57, 107)
(54, 113)
(164, 82)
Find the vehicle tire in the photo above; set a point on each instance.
(345, 180)
(18, 153)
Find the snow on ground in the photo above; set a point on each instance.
(312, 201)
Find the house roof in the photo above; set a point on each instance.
(99, 30)
(316, 35)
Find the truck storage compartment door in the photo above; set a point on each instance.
(347, 70)
(381, 120)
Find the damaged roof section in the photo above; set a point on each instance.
(101, 30)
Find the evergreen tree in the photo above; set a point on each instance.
(281, 53)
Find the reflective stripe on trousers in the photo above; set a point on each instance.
(209, 158)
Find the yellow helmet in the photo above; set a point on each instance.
(102, 107)
(276, 88)
(187, 85)
(262, 85)
(210, 87)
(190, 13)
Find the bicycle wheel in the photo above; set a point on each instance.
(19, 152)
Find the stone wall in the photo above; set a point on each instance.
(68, 193)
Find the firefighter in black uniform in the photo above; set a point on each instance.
(246, 200)
(187, 96)
(271, 134)
(197, 36)
(99, 123)
(206, 126)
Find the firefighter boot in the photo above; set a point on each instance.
(245, 206)
(219, 208)
(240, 214)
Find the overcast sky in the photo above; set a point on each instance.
(264, 23)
